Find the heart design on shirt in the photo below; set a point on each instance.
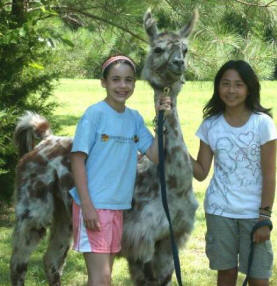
(246, 138)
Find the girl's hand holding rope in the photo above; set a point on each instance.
(163, 103)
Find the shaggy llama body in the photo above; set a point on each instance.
(44, 179)
(146, 238)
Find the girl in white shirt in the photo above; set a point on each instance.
(239, 133)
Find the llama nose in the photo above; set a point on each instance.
(178, 62)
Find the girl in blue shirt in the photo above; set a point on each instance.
(104, 159)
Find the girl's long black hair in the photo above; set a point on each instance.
(216, 106)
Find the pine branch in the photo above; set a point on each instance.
(67, 9)
(92, 16)
(6, 4)
(269, 4)
(170, 5)
(177, 9)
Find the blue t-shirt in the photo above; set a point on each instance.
(111, 141)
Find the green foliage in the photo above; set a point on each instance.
(25, 83)
(226, 30)
(102, 33)
(232, 30)
(90, 49)
(3, 140)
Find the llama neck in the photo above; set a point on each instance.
(174, 89)
(177, 160)
(172, 122)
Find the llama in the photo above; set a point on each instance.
(146, 238)
(44, 178)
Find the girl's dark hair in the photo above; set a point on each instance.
(216, 106)
(107, 69)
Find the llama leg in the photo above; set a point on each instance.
(26, 238)
(163, 262)
(158, 271)
(59, 244)
(142, 273)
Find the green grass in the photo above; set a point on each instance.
(75, 96)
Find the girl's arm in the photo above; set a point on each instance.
(268, 166)
(80, 179)
(153, 151)
(163, 103)
(202, 165)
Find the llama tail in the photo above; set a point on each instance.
(31, 127)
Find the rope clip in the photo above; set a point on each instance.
(166, 91)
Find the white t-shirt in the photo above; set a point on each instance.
(235, 188)
(111, 141)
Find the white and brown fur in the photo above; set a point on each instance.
(44, 178)
(146, 240)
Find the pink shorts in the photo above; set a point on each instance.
(107, 240)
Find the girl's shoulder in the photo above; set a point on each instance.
(210, 124)
(265, 126)
(131, 110)
(212, 120)
(94, 111)
(133, 113)
(99, 106)
(261, 117)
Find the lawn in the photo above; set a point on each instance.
(74, 97)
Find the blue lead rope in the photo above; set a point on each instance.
(164, 197)
(258, 225)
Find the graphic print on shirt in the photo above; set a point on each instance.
(119, 139)
(225, 164)
(249, 151)
(231, 157)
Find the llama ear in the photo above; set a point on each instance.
(186, 31)
(150, 25)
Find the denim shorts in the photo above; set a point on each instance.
(228, 246)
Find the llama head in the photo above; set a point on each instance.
(165, 63)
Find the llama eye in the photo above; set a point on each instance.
(158, 50)
(185, 51)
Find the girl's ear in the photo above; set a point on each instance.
(103, 82)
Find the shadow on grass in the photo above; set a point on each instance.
(62, 122)
(66, 120)
(6, 216)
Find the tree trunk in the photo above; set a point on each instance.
(19, 8)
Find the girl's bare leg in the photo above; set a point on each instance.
(99, 268)
(227, 277)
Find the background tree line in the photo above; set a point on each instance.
(42, 40)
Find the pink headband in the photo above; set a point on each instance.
(117, 58)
